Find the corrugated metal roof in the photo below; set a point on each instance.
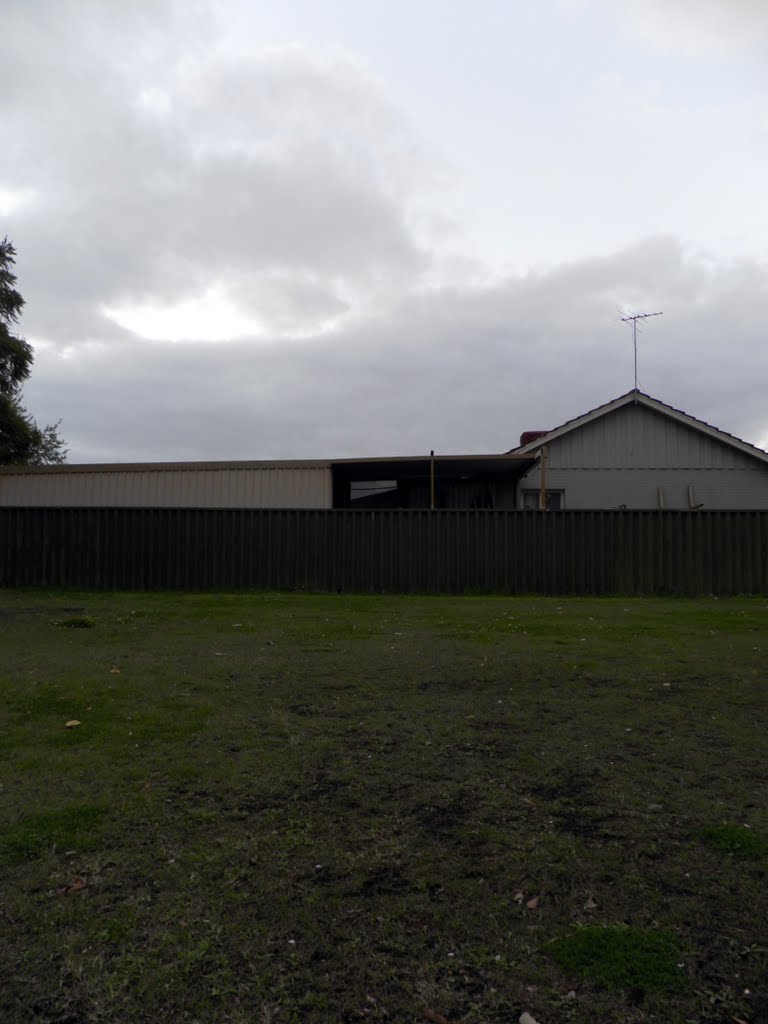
(651, 403)
(166, 467)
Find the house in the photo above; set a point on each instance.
(634, 452)
(639, 453)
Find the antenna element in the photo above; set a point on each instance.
(633, 320)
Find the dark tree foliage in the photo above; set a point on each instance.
(22, 442)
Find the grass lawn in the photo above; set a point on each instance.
(295, 808)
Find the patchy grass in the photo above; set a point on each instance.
(737, 840)
(636, 960)
(66, 829)
(309, 809)
(75, 622)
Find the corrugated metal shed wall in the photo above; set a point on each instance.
(625, 457)
(207, 486)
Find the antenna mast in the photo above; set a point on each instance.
(633, 320)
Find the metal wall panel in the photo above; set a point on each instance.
(636, 437)
(392, 551)
(639, 488)
(280, 486)
(625, 457)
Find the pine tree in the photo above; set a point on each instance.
(22, 442)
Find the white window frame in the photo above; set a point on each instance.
(530, 496)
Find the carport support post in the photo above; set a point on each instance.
(432, 479)
(543, 487)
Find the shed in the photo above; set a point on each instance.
(298, 484)
(445, 481)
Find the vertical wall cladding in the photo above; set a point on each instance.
(637, 458)
(391, 551)
(279, 485)
(636, 437)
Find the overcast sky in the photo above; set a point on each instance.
(367, 227)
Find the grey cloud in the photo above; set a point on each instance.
(162, 168)
(282, 165)
(459, 370)
(289, 299)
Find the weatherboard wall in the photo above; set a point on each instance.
(171, 486)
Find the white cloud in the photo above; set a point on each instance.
(248, 305)
(208, 318)
(12, 199)
(693, 27)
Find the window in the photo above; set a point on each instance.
(555, 500)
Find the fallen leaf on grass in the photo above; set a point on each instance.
(432, 1015)
(72, 723)
(533, 903)
(76, 885)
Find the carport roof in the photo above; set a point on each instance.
(446, 466)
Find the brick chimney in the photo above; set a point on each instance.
(531, 435)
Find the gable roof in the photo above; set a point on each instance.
(635, 397)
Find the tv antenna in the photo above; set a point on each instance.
(633, 320)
